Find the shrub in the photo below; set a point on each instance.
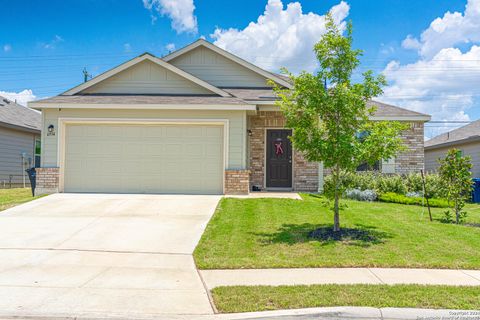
(361, 195)
(393, 183)
(382, 183)
(433, 185)
(402, 199)
(455, 171)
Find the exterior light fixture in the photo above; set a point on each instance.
(51, 130)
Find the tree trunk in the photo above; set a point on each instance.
(336, 215)
(457, 214)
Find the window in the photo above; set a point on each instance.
(38, 152)
(361, 136)
(388, 166)
(366, 167)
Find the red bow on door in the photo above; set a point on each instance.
(278, 148)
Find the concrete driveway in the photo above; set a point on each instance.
(98, 255)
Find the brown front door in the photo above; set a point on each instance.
(279, 159)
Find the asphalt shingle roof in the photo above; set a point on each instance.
(388, 110)
(252, 94)
(143, 99)
(13, 114)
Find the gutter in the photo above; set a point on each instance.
(19, 128)
(40, 106)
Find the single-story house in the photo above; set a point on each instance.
(466, 139)
(19, 142)
(199, 120)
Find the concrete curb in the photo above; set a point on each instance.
(331, 313)
(363, 313)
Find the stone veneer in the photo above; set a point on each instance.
(46, 180)
(412, 159)
(305, 174)
(237, 181)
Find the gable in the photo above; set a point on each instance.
(146, 77)
(217, 70)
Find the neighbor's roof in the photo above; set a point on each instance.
(468, 133)
(17, 116)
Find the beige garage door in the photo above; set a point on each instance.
(144, 158)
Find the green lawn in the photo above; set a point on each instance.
(261, 298)
(276, 233)
(12, 197)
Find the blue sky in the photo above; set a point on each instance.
(44, 45)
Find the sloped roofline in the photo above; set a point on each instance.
(230, 56)
(136, 60)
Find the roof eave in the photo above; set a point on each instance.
(19, 128)
(418, 118)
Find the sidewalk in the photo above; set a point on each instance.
(307, 276)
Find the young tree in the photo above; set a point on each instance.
(329, 114)
(457, 181)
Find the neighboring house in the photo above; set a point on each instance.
(199, 120)
(466, 139)
(19, 142)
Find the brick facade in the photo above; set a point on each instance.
(305, 174)
(413, 158)
(47, 180)
(237, 181)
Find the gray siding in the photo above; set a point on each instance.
(468, 149)
(147, 78)
(12, 144)
(217, 70)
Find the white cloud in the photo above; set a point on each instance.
(52, 43)
(179, 11)
(7, 48)
(281, 37)
(450, 30)
(445, 86)
(444, 81)
(21, 97)
(411, 43)
(170, 47)
(127, 47)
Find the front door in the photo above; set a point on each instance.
(279, 159)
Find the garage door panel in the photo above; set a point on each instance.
(144, 158)
(213, 131)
